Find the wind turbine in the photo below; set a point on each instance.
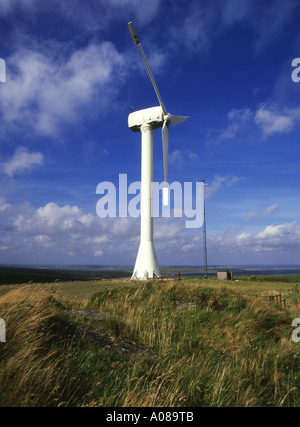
(146, 121)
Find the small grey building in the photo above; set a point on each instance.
(225, 275)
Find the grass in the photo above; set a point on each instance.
(189, 343)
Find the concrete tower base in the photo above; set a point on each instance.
(146, 265)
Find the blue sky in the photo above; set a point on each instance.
(73, 75)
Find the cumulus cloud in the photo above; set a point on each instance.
(283, 237)
(22, 161)
(52, 233)
(55, 232)
(272, 121)
(64, 216)
(275, 244)
(271, 245)
(44, 91)
(61, 231)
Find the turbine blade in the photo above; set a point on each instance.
(137, 42)
(175, 120)
(165, 143)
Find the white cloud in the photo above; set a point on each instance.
(44, 91)
(235, 11)
(64, 216)
(284, 238)
(57, 231)
(220, 182)
(237, 118)
(270, 21)
(97, 15)
(204, 22)
(101, 239)
(22, 161)
(269, 119)
(144, 10)
(3, 205)
(41, 234)
(277, 232)
(166, 230)
(259, 214)
(272, 121)
(198, 27)
(7, 6)
(179, 157)
(267, 20)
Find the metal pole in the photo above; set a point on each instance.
(204, 233)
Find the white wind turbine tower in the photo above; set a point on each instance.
(145, 121)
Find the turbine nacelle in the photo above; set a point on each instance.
(152, 116)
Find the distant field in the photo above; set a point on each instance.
(12, 275)
(81, 291)
(22, 275)
(197, 342)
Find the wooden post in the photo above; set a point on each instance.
(179, 276)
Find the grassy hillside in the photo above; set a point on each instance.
(188, 343)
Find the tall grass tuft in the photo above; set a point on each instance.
(216, 347)
(211, 346)
(33, 367)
